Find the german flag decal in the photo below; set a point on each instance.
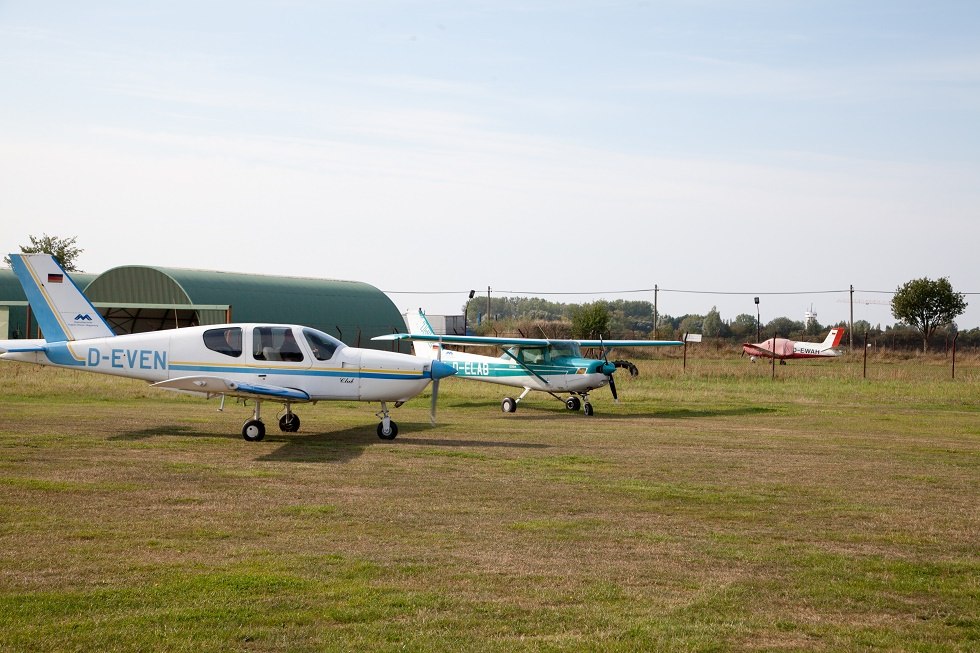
(56, 278)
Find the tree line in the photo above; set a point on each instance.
(536, 317)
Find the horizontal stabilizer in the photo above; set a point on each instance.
(21, 346)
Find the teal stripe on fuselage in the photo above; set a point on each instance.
(484, 370)
(59, 354)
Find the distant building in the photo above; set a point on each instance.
(809, 316)
(447, 324)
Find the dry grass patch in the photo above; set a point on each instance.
(712, 509)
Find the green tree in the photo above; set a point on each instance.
(591, 321)
(691, 323)
(713, 325)
(925, 305)
(744, 326)
(63, 249)
(784, 326)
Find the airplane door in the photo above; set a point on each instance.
(278, 357)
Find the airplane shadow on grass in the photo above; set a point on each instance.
(342, 446)
(326, 447)
(550, 413)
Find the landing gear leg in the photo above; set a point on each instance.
(509, 405)
(289, 423)
(254, 429)
(587, 407)
(387, 429)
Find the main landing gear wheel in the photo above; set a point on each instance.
(289, 423)
(588, 409)
(573, 403)
(508, 405)
(390, 433)
(253, 431)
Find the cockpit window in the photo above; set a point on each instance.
(322, 345)
(564, 350)
(226, 340)
(532, 355)
(275, 344)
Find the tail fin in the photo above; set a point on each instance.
(833, 338)
(418, 324)
(62, 311)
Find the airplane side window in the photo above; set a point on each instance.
(288, 349)
(532, 356)
(275, 344)
(226, 340)
(322, 348)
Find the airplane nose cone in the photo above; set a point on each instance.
(603, 368)
(441, 370)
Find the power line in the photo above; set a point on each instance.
(649, 290)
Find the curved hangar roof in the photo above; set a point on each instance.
(141, 298)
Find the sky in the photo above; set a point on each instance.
(575, 150)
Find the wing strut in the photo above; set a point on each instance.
(521, 363)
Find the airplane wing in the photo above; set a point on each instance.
(215, 385)
(755, 350)
(629, 343)
(524, 342)
(466, 340)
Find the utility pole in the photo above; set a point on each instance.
(850, 329)
(655, 317)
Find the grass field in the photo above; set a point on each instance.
(713, 509)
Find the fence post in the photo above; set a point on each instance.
(865, 354)
(957, 335)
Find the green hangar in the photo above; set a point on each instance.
(136, 298)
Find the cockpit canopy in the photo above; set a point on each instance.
(272, 343)
(532, 355)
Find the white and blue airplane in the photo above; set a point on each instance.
(553, 366)
(284, 363)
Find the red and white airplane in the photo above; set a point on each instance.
(782, 349)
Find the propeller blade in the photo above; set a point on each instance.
(432, 408)
(435, 387)
(612, 381)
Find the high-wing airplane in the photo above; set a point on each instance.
(284, 363)
(782, 349)
(553, 366)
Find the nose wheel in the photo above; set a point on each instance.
(387, 429)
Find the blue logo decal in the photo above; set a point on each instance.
(83, 317)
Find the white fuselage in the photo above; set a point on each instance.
(348, 373)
